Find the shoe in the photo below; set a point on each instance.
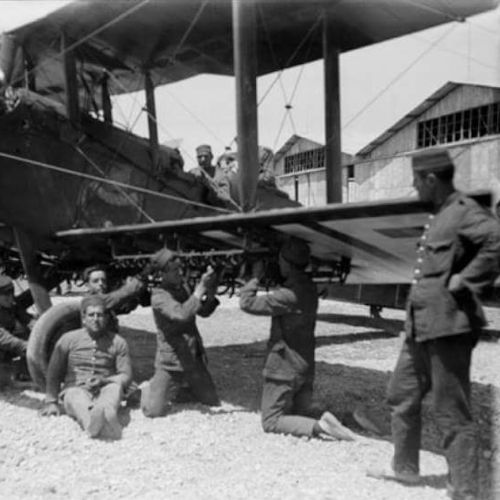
(366, 423)
(330, 425)
(405, 477)
(96, 422)
(112, 424)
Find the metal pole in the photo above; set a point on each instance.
(333, 157)
(245, 68)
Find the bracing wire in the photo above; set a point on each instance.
(82, 175)
(398, 77)
(122, 191)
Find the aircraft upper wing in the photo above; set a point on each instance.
(177, 39)
(379, 238)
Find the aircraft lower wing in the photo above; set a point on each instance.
(374, 242)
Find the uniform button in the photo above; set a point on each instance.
(427, 226)
(431, 216)
(414, 282)
(416, 272)
(420, 260)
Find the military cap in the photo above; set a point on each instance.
(432, 160)
(160, 259)
(295, 251)
(203, 149)
(92, 300)
(6, 285)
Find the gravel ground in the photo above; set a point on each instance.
(223, 454)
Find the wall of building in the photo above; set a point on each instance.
(300, 145)
(463, 97)
(477, 166)
(386, 172)
(309, 188)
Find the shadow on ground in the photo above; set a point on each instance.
(237, 371)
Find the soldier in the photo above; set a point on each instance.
(93, 364)
(457, 258)
(120, 301)
(180, 357)
(15, 325)
(289, 370)
(204, 156)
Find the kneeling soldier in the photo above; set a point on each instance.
(289, 369)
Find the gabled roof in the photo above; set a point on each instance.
(290, 143)
(424, 106)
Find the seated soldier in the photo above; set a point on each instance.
(15, 324)
(180, 356)
(93, 365)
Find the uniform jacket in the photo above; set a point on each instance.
(293, 308)
(77, 357)
(14, 330)
(461, 238)
(178, 341)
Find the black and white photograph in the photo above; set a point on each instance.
(250, 249)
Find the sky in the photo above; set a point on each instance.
(379, 85)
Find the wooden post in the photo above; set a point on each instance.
(333, 155)
(27, 249)
(245, 68)
(106, 100)
(8, 50)
(152, 124)
(70, 80)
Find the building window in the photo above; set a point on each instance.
(467, 124)
(306, 160)
(350, 172)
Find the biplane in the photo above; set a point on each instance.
(75, 189)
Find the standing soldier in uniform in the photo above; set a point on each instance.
(289, 369)
(180, 360)
(457, 259)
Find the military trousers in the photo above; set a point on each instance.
(286, 406)
(165, 386)
(78, 401)
(440, 366)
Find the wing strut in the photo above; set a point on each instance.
(333, 156)
(27, 248)
(245, 68)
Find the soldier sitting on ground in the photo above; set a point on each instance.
(15, 325)
(93, 365)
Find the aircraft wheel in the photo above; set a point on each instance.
(48, 329)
